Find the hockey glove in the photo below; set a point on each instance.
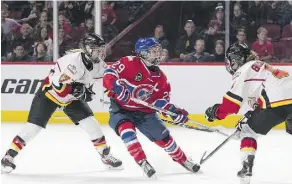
(82, 93)
(120, 92)
(181, 116)
(242, 123)
(210, 113)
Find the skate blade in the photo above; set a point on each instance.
(245, 180)
(153, 177)
(6, 169)
(111, 168)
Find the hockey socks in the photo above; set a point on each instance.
(248, 147)
(17, 144)
(100, 144)
(127, 133)
(170, 146)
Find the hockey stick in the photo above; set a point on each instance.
(204, 127)
(171, 122)
(204, 159)
(186, 126)
(138, 101)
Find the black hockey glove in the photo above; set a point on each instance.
(210, 113)
(242, 122)
(82, 93)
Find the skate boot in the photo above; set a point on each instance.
(191, 166)
(110, 161)
(147, 168)
(246, 172)
(7, 162)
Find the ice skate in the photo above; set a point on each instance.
(7, 163)
(147, 168)
(110, 161)
(190, 166)
(246, 172)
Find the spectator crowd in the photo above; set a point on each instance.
(265, 26)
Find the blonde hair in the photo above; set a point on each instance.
(262, 29)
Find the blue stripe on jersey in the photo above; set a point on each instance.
(160, 103)
(110, 71)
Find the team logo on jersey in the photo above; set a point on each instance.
(72, 69)
(138, 77)
(64, 77)
(144, 91)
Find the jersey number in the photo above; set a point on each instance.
(118, 66)
(279, 74)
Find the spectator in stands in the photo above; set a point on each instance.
(8, 25)
(198, 55)
(239, 21)
(44, 38)
(18, 54)
(63, 22)
(241, 36)
(257, 13)
(25, 38)
(71, 10)
(43, 23)
(262, 47)
(280, 12)
(211, 34)
(86, 9)
(65, 42)
(108, 18)
(219, 18)
(185, 43)
(41, 53)
(160, 36)
(165, 55)
(88, 27)
(219, 55)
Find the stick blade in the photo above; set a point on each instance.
(203, 158)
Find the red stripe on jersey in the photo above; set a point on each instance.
(248, 80)
(227, 107)
(64, 91)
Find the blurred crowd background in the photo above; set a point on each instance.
(189, 31)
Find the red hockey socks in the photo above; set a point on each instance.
(248, 147)
(17, 145)
(127, 133)
(170, 146)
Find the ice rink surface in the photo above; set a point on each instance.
(63, 154)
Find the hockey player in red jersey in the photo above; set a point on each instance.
(266, 89)
(140, 77)
(69, 85)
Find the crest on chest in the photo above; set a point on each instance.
(144, 91)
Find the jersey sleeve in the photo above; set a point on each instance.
(67, 70)
(114, 71)
(248, 83)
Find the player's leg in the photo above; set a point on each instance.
(154, 129)
(40, 112)
(261, 122)
(82, 116)
(123, 124)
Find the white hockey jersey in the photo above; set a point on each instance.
(70, 68)
(260, 81)
(257, 82)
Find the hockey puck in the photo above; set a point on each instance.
(196, 168)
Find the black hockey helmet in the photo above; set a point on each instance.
(94, 47)
(236, 55)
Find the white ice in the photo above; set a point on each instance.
(63, 154)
